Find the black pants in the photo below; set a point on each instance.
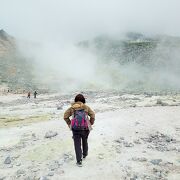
(79, 136)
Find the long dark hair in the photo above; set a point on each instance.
(80, 98)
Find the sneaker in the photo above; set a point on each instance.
(79, 163)
(84, 157)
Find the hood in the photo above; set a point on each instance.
(78, 105)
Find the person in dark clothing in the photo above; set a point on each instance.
(35, 93)
(29, 95)
(80, 126)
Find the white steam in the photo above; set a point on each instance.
(65, 69)
(72, 68)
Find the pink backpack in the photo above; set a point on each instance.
(80, 120)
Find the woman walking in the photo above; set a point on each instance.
(80, 125)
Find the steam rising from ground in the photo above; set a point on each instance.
(68, 68)
(72, 68)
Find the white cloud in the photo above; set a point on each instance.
(71, 20)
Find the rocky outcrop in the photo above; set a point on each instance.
(7, 43)
(15, 70)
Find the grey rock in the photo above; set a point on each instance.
(134, 158)
(35, 170)
(33, 135)
(18, 164)
(132, 105)
(147, 105)
(168, 163)
(7, 160)
(30, 178)
(172, 149)
(9, 166)
(168, 139)
(142, 159)
(118, 150)
(159, 174)
(20, 172)
(2, 178)
(68, 157)
(156, 161)
(43, 178)
(137, 141)
(165, 104)
(104, 144)
(53, 167)
(60, 172)
(126, 144)
(158, 101)
(16, 156)
(118, 141)
(136, 123)
(50, 134)
(122, 138)
(101, 156)
(20, 146)
(59, 107)
(61, 162)
(51, 174)
(135, 177)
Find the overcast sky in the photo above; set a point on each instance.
(73, 20)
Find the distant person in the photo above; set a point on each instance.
(29, 95)
(35, 93)
(80, 126)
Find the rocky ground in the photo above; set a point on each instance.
(135, 136)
